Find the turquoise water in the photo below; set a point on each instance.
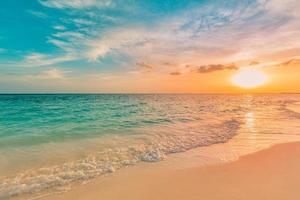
(34, 119)
(48, 141)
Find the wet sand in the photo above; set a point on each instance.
(272, 174)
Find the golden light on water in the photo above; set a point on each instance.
(249, 78)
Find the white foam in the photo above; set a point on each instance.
(154, 148)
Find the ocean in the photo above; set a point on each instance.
(52, 140)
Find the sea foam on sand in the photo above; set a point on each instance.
(154, 148)
(270, 174)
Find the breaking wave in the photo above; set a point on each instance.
(152, 149)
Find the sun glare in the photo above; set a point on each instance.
(249, 78)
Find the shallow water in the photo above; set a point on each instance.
(49, 141)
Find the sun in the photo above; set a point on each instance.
(249, 78)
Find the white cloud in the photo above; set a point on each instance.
(69, 34)
(83, 22)
(199, 36)
(116, 40)
(61, 44)
(50, 74)
(69, 41)
(288, 7)
(38, 59)
(102, 76)
(77, 4)
(59, 27)
(205, 35)
(38, 14)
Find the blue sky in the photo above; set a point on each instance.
(59, 45)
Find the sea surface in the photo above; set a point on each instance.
(49, 141)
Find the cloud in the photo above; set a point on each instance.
(76, 4)
(169, 64)
(118, 40)
(38, 14)
(50, 74)
(38, 59)
(211, 32)
(144, 65)
(102, 76)
(59, 27)
(215, 67)
(72, 42)
(83, 22)
(46, 75)
(69, 34)
(289, 7)
(61, 44)
(175, 73)
(224, 33)
(293, 61)
(254, 63)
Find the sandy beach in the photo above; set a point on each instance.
(272, 173)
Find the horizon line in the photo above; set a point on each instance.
(141, 93)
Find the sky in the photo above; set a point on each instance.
(147, 46)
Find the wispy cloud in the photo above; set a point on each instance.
(102, 76)
(144, 65)
(254, 63)
(50, 74)
(77, 4)
(175, 73)
(216, 33)
(289, 61)
(69, 35)
(59, 27)
(38, 59)
(83, 22)
(46, 75)
(214, 67)
(210, 33)
(38, 14)
(293, 61)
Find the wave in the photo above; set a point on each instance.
(292, 108)
(153, 148)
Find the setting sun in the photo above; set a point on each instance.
(249, 78)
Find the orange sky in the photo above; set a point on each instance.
(149, 47)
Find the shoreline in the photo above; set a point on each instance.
(266, 174)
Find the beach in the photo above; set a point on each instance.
(144, 142)
(272, 174)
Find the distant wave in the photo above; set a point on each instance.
(292, 108)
